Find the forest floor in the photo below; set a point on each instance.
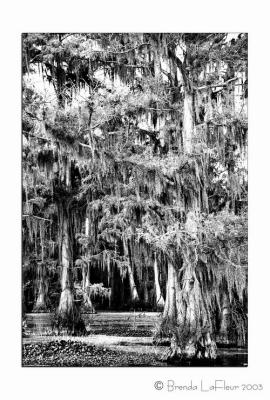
(121, 344)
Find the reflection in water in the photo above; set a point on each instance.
(233, 357)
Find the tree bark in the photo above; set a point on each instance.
(145, 286)
(185, 306)
(225, 319)
(159, 298)
(111, 298)
(40, 304)
(87, 306)
(86, 286)
(133, 289)
(169, 312)
(189, 320)
(66, 312)
(188, 122)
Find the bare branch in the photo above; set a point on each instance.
(35, 216)
(85, 145)
(124, 51)
(218, 84)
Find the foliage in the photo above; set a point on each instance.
(109, 150)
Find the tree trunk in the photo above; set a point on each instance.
(133, 289)
(145, 287)
(225, 319)
(87, 226)
(189, 320)
(188, 122)
(66, 310)
(159, 298)
(40, 304)
(193, 318)
(169, 313)
(86, 286)
(191, 328)
(111, 298)
(168, 327)
(87, 306)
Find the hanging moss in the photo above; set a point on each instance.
(137, 184)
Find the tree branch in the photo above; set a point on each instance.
(218, 84)
(36, 137)
(85, 145)
(180, 67)
(35, 216)
(124, 51)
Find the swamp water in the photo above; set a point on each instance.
(128, 333)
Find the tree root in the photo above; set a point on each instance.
(202, 349)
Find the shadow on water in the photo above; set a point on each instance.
(234, 357)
